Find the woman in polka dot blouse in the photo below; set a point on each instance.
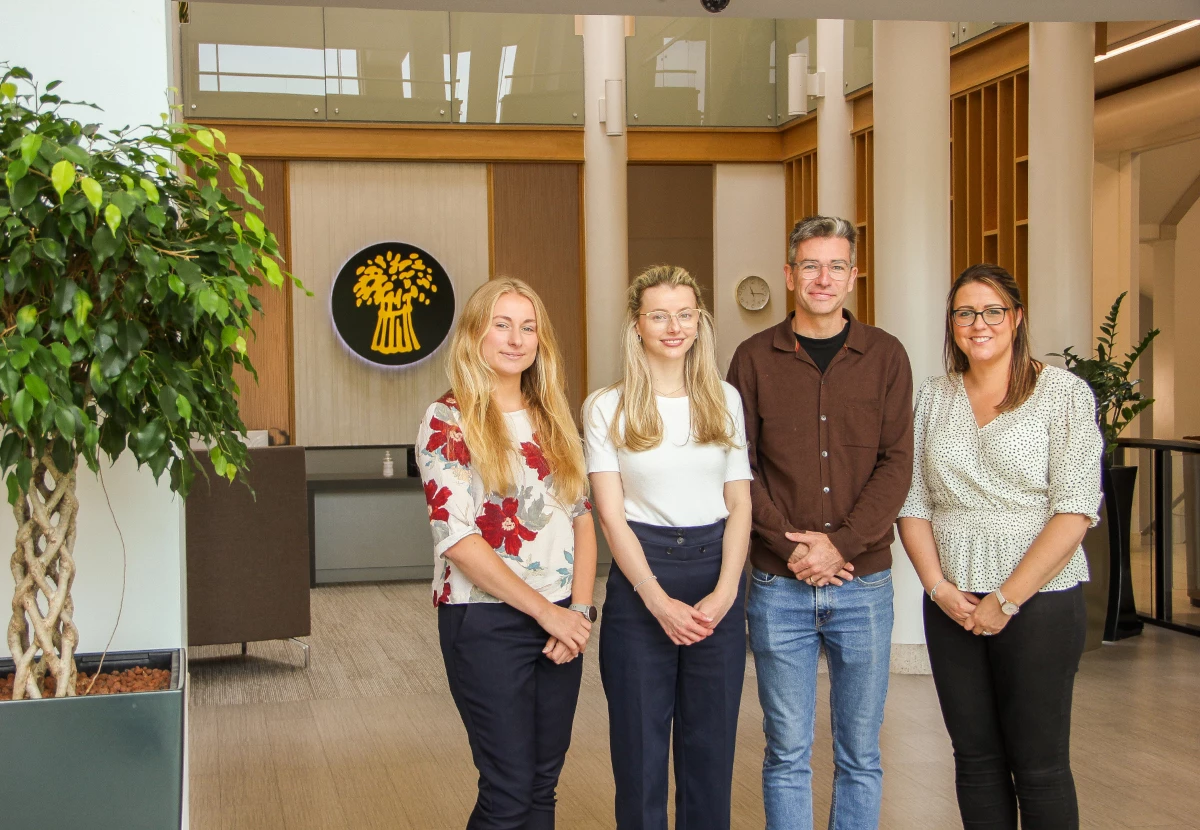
(1006, 481)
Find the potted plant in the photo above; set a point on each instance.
(126, 303)
(1118, 402)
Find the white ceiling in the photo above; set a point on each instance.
(1006, 10)
(1165, 175)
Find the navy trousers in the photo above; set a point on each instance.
(653, 685)
(517, 706)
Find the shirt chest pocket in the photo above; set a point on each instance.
(861, 423)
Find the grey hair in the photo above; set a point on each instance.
(822, 227)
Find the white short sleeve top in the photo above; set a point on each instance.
(679, 483)
(989, 491)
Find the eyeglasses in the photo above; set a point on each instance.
(992, 315)
(687, 318)
(810, 269)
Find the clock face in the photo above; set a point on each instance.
(753, 293)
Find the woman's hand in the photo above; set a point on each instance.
(681, 622)
(570, 628)
(715, 606)
(988, 618)
(558, 652)
(957, 605)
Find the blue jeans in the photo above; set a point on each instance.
(789, 623)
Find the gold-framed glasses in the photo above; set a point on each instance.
(810, 269)
(687, 318)
(992, 315)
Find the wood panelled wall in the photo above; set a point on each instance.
(267, 404)
(670, 220)
(864, 214)
(338, 208)
(800, 196)
(989, 171)
(536, 235)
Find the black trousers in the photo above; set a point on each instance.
(1007, 704)
(652, 684)
(517, 706)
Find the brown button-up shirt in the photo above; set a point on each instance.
(831, 452)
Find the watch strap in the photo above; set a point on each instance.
(1009, 608)
(588, 611)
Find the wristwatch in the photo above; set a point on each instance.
(588, 611)
(1009, 608)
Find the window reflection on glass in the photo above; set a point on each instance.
(280, 70)
(528, 68)
(341, 72)
(681, 63)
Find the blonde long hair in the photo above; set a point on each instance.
(493, 452)
(643, 426)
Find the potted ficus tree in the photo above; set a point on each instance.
(126, 305)
(1118, 402)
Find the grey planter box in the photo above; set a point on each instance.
(103, 761)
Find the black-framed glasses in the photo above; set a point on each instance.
(992, 315)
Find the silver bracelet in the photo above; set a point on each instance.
(933, 590)
(644, 581)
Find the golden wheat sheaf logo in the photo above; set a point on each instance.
(392, 304)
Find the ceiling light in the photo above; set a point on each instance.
(1128, 47)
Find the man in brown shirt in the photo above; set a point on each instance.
(828, 403)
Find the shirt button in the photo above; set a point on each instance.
(670, 551)
(826, 489)
(679, 540)
(824, 453)
(827, 524)
(822, 417)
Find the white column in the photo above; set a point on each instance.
(1061, 96)
(912, 230)
(605, 220)
(835, 117)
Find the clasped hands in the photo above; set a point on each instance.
(569, 633)
(817, 561)
(979, 616)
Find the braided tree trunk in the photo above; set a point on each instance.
(43, 568)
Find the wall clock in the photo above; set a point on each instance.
(753, 293)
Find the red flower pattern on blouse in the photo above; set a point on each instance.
(445, 595)
(534, 459)
(501, 527)
(435, 500)
(448, 439)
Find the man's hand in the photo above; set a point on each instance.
(821, 563)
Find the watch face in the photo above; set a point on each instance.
(753, 293)
(592, 613)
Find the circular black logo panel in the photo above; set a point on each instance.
(392, 304)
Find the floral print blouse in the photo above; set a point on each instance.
(529, 529)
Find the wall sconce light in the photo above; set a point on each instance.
(802, 83)
(612, 108)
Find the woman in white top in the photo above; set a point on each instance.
(666, 454)
(514, 550)
(1006, 481)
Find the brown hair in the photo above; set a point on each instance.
(1023, 369)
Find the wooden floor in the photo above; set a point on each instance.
(402, 761)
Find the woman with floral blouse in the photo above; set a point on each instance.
(514, 550)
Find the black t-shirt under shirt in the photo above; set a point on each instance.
(823, 351)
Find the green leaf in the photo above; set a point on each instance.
(205, 138)
(30, 144)
(8, 90)
(75, 153)
(157, 216)
(27, 319)
(220, 135)
(209, 300)
(36, 387)
(92, 189)
(65, 421)
(240, 345)
(255, 225)
(150, 438)
(81, 306)
(239, 178)
(235, 159)
(184, 407)
(176, 284)
(125, 203)
(62, 354)
(18, 360)
(228, 335)
(150, 189)
(96, 378)
(257, 175)
(22, 193)
(62, 176)
(22, 408)
(112, 217)
(218, 461)
(166, 403)
(271, 269)
(16, 172)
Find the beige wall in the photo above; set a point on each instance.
(337, 209)
(1187, 303)
(748, 238)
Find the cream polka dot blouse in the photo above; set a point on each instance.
(989, 491)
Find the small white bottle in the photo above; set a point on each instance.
(389, 468)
